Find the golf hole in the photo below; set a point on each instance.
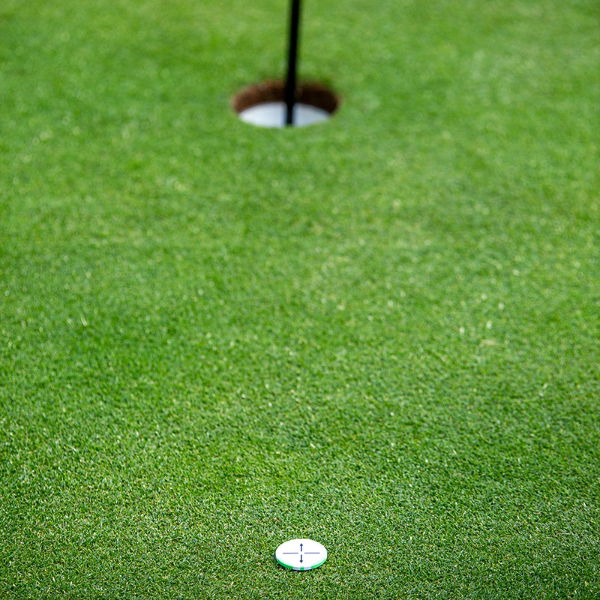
(263, 104)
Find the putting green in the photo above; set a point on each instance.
(380, 332)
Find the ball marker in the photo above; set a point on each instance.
(301, 555)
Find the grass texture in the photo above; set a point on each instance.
(380, 333)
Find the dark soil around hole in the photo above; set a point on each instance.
(314, 94)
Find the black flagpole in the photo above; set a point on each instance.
(290, 80)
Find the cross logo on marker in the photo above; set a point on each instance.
(301, 552)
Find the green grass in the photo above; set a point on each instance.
(380, 333)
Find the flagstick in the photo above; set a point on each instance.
(290, 80)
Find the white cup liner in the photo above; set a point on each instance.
(272, 114)
(262, 104)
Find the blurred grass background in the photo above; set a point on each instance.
(381, 332)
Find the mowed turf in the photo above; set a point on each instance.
(380, 333)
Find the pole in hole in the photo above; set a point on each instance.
(287, 102)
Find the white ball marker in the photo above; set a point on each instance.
(301, 555)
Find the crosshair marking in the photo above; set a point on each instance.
(301, 546)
